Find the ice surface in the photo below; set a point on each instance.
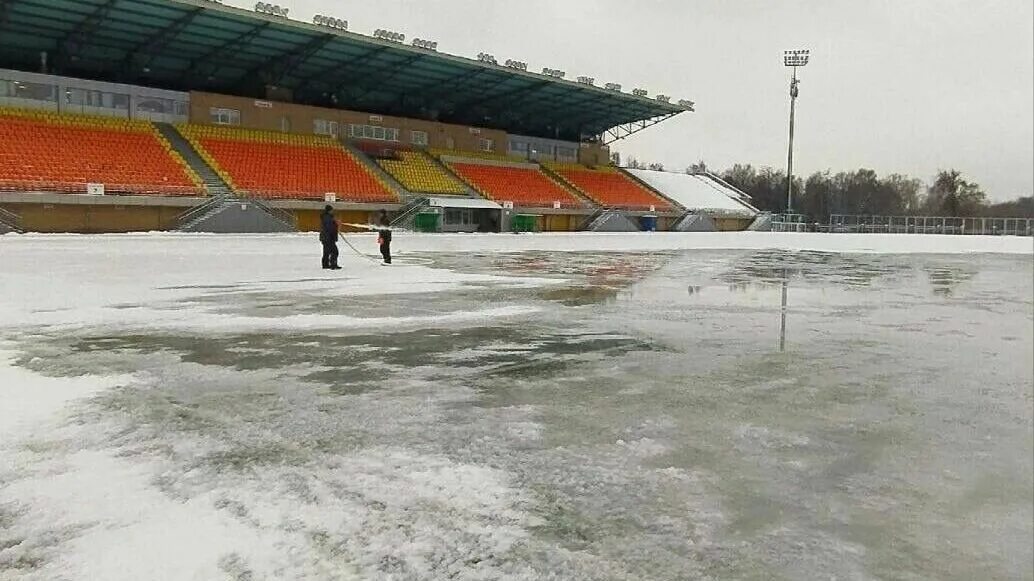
(693, 192)
(217, 407)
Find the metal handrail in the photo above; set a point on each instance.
(276, 213)
(409, 210)
(199, 210)
(11, 220)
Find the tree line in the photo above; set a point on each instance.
(863, 192)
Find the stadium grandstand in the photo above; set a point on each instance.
(122, 115)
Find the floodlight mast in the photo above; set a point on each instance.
(792, 58)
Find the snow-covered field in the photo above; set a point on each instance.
(591, 406)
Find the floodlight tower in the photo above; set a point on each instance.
(792, 58)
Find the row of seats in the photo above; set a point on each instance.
(522, 185)
(48, 151)
(609, 187)
(486, 155)
(419, 173)
(77, 119)
(282, 165)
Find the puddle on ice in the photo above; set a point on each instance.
(633, 416)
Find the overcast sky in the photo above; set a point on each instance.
(907, 86)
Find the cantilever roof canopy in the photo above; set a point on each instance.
(204, 45)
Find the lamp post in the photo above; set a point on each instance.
(792, 58)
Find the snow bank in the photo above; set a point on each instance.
(693, 192)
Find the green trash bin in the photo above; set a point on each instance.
(426, 222)
(524, 223)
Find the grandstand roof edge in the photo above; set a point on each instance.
(208, 46)
(207, 4)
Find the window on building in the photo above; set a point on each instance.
(285, 124)
(519, 146)
(29, 91)
(450, 143)
(223, 116)
(87, 98)
(117, 101)
(373, 132)
(419, 138)
(181, 108)
(459, 216)
(566, 153)
(152, 105)
(486, 144)
(324, 127)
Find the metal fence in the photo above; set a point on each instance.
(907, 225)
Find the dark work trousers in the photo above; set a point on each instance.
(385, 240)
(330, 254)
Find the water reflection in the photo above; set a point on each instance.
(946, 279)
(782, 317)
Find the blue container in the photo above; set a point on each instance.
(648, 223)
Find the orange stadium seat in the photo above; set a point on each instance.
(47, 151)
(524, 186)
(280, 165)
(610, 188)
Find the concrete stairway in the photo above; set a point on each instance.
(384, 177)
(213, 182)
(230, 215)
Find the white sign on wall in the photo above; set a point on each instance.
(653, 209)
(330, 197)
(95, 189)
(556, 205)
(264, 104)
(508, 205)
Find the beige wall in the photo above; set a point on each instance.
(309, 220)
(94, 218)
(593, 154)
(732, 224)
(267, 115)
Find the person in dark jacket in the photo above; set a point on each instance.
(328, 237)
(384, 236)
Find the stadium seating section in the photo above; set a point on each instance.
(524, 186)
(419, 173)
(610, 188)
(282, 165)
(48, 151)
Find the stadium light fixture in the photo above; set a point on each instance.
(640, 92)
(587, 80)
(330, 22)
(796, 58)
(554, 73)
(425, 44)
(519, 65)
(389, 35)
(271, 9)
(487, 58)
(612, 87)
(793, 58)
(686, 104)
(663, 98)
